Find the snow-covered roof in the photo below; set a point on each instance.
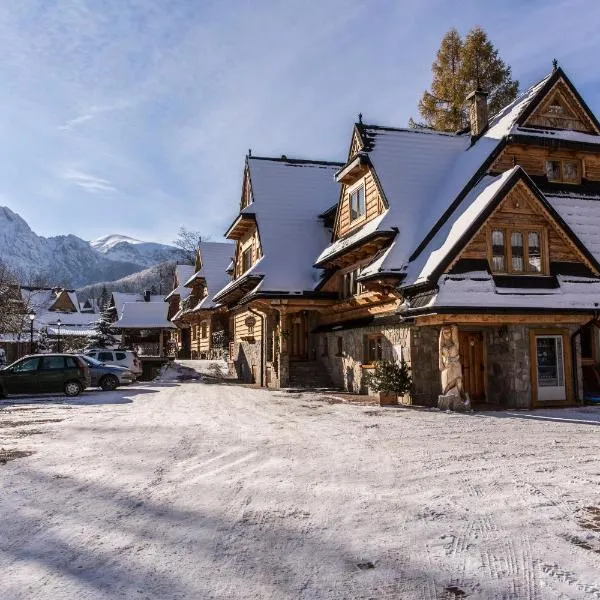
(121, 298)
(143, 315)
(40, 301)
(288, 197)
(182, 274)
(582, 215)
(214, 256)
(421, 180)
(450, 234)
(478, 289)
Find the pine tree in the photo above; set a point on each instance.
(461, 67)
(104, 299)
(103, 336)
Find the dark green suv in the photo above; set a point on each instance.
(45, 374)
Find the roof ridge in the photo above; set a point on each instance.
(422, 130)
(304, 161)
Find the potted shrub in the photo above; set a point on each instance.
(390, 379)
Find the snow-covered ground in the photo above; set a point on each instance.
(198, 491)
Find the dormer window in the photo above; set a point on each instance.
(246, 259)
(356, 198)
(563, 171)
(516, 252)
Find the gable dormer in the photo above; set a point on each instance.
(562, 108)
(63, 302)
(244, 231)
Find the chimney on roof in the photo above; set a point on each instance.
(146, 295)
(478, 111)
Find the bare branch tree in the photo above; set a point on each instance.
(188, 241)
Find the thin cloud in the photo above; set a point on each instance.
(88, 182)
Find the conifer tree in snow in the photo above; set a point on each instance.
(460, 67)
(103, 336)
(104, 299)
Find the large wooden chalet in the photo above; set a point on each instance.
(492, 230)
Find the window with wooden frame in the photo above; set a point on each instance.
(340, 346)
(350, 285)
(194, 328)
(356, 202)
(246, 259)
(564, 171)
(373, 350)
(517, 251)
(204, 330)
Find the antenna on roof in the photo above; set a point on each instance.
(360, 118)
(554, 64)
(249, 151)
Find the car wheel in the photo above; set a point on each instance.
(73, 388)
(109, 382)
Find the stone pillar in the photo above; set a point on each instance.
(284, 358)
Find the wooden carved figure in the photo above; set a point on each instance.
(451, 370)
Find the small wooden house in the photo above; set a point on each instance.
(202, 324)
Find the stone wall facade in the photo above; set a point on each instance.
(347, 368)
(425, 365)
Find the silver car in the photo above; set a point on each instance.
(107, 377)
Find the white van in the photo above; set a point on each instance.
(123, 358)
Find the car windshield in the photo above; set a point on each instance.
(92, 361)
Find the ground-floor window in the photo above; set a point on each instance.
(374, 348)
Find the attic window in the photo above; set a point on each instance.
(564, 171)
(356, 199)
(246, 259)
(524, 254)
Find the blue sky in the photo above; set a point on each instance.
(134, 116)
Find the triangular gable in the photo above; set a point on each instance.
(246, 198)
(454, 240)
(559, 105)
(63, 303)
(357, 143)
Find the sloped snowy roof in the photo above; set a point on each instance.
(582, 215)
(478, 289)
(447, 167)
(40, 300)
(143, 315)
(450, 234)
(288, 196)
(120, 298)
(215, 257)
(182, 274)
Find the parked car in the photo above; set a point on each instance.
(44, 374)
(124, 358)
(107, 377)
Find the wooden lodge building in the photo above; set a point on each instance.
(202, 324)
(493, 230)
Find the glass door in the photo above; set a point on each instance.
(550, 368)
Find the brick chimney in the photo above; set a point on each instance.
(478, 112)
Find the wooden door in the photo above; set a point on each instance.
(298, 337)
(472, 361)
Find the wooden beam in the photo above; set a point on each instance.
(503, 319)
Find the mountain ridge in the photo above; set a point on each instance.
(71, 261)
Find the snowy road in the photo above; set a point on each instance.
(217, 491)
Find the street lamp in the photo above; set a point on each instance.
(58, 324)
(31, 320)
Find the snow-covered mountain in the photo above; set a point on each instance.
(127, 249)
(69, 260)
